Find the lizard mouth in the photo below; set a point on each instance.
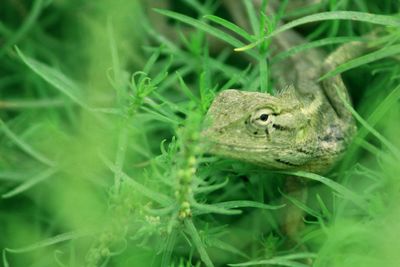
(237, 147)
(270, 163)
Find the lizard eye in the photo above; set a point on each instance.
(262, 117)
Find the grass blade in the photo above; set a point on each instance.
(301, 205)
(30, 183)
(24, 29)
(391, 147)
(343, 191)
(191, 229)
(252, 16)
(205, 208)
(333, 15)
(371, 57)
(281, 261)
(169, 248)
(55, 78)
(319, 43)
(48, 242)
(201, 25)
(141, 189)
(204, 27)
(210, 188)
(30, 104)
(247, 204)
(24, 146)
(231, 26)
(186, 90)
(5, 262)
(389, 101)
(229, 206)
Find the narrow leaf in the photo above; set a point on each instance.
(192, 231)
(30, 183)
(24, 146)
(55, 78)
(210, 188)
(391, 147)
(201, 25)
(205, 208)
(48, 242)
(332, 15)
(141, 189)
(186, 90)
(247, 204)
(301, 205)
(343, 191)
(204, 27)
(309, 45)
(371, 57)
(231, 26)
(29, 22)
(281, 261)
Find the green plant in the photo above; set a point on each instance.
(101, 162)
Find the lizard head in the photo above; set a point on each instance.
(259, 128)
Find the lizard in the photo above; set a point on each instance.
(305, 126)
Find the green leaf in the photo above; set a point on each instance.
(139, 188)
(301, 205)
(30, 183)
(210, 188)
(204, 27)
(191, 229)
(343, 191)
(200, 209)
(391, 147)
(152, 60)
(186, 90)
(281, 261)
(252, 15)
(384, 106)
(333, 15)
(13, 175)
(55, 78)
(231, 26)
(235, 79)
(309, 45)
(226, 247)
(371, 57)
(169, 248)
(29, 22)
(201, 9)
(247, 204)
(324, 208)
(15, 104)
(48, 242)
(229, 206)
(5, 262)
(201, 25)
(24, 146)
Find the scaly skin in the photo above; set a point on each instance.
(304, 127)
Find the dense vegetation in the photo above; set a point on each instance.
(101, 108)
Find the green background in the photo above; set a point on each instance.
(101, 106)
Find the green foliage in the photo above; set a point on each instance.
(101, 159)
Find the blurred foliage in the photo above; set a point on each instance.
(101, 164)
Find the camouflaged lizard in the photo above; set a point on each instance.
(305, 126)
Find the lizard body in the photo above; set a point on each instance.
(305, 126)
